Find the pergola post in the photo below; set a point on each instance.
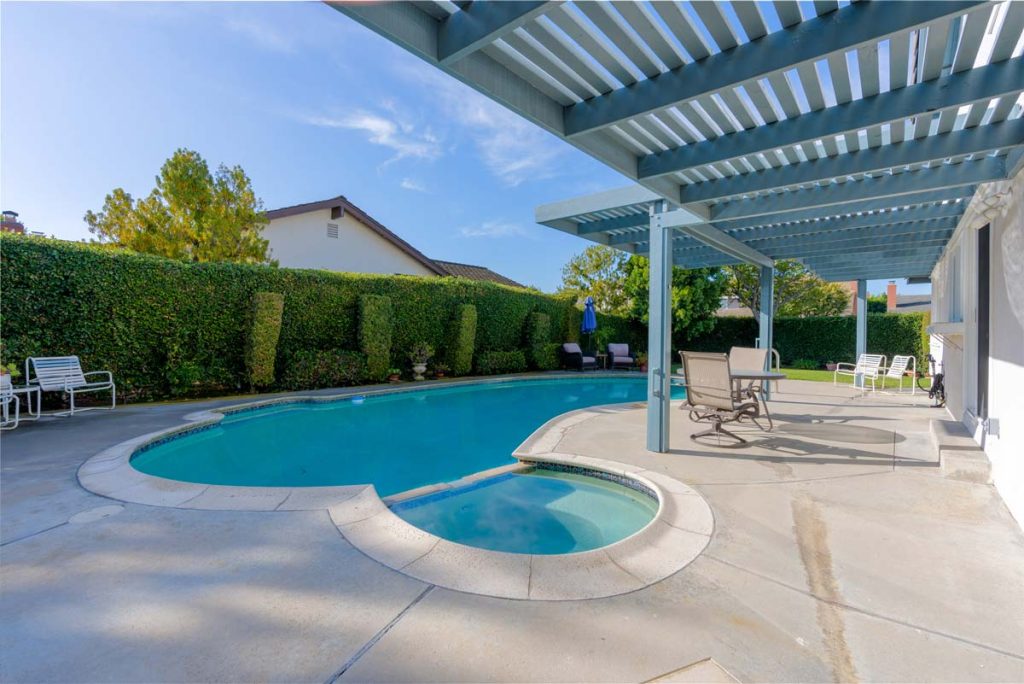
(659, 335)
(766, 316)
(862, 326)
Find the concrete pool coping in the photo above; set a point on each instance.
(679, 532)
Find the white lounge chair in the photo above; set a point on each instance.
(898, 369)
(64, 374)
(7, 401)
(710, 396)
(869, 366)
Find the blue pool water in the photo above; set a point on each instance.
(540, 511)
(394, 441)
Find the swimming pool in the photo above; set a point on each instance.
(395, 441)
(542, 510)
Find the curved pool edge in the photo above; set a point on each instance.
(678, 533)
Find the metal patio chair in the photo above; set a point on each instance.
(710, 396)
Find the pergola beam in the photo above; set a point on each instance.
(934, 178)
(481, 23)
(861, 23)
(829, 226)
(978, 140)
(966, 87)
(854, 249)
(852, 207)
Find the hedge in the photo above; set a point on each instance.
(538, 334)
(462, 340)
(261, 342)
(164, 326)
(313, 368)
(375, 330)
(494, 362)
(823, 338)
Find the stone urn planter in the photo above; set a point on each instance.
(418, 356)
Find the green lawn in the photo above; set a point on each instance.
(798, 374)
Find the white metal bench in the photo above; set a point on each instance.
(868, 366)
(64, 374)
(898, 369)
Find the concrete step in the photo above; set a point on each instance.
(959, 455)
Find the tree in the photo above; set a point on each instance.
(191, 215)
(798, 291)
(878, 303)
(599, 273)
(696, 295)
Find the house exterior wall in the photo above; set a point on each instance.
(954, 287)
(301, 241)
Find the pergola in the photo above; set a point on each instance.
(850, 136)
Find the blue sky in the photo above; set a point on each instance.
(310, 104)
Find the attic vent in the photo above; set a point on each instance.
(332, 230)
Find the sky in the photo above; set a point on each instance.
(312, 105)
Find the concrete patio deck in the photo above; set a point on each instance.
(840, 552)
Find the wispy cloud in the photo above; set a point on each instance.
(412, 184)
(262, 33)
(513, 149)
(494, 229)
(405, 139)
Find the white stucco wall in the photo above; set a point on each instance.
(1003, 436)
(301, 241)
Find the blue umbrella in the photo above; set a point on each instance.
(589, 324)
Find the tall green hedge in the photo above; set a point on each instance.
(261, 342)
(462, 340)
(538, 336)
(375, 331)
(146, 318)
(823, 338)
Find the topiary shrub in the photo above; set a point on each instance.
(547, 356)
(462, 341)
(311, 369)
(538, 334)
(261, 340)
(494, 362)
(376, 320)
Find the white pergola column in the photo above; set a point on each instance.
(766, 316)
(659, 335)
(862, 326)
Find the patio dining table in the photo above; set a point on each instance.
(739, 375)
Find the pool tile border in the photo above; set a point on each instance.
(679, 532)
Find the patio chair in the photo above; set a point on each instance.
(64, 374)
(8, 400)
(898, 369)
(710, 396)
(619, 356)
(572, 357)
(748, 358)
(868, 365)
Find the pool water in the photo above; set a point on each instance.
(539, 511)
(396, 441)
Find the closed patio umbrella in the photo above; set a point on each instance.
(589, 324)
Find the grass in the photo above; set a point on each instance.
(815, 375)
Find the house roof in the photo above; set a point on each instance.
(906, 303)
(475, 273)
(340, 205)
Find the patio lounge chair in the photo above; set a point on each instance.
(64, 374)
(619, 356)
(868, 365)
(898, 369)
(572, 357)
(710, 397)
(7, 401)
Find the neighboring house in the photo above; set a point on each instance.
(9, 223)
(336, 235)
(475, 273)
(729, 305)
(897, 303)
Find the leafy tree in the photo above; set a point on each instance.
(798, 291)
(598, 272)
(878, 303)
(191, 214)
(696, 295)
